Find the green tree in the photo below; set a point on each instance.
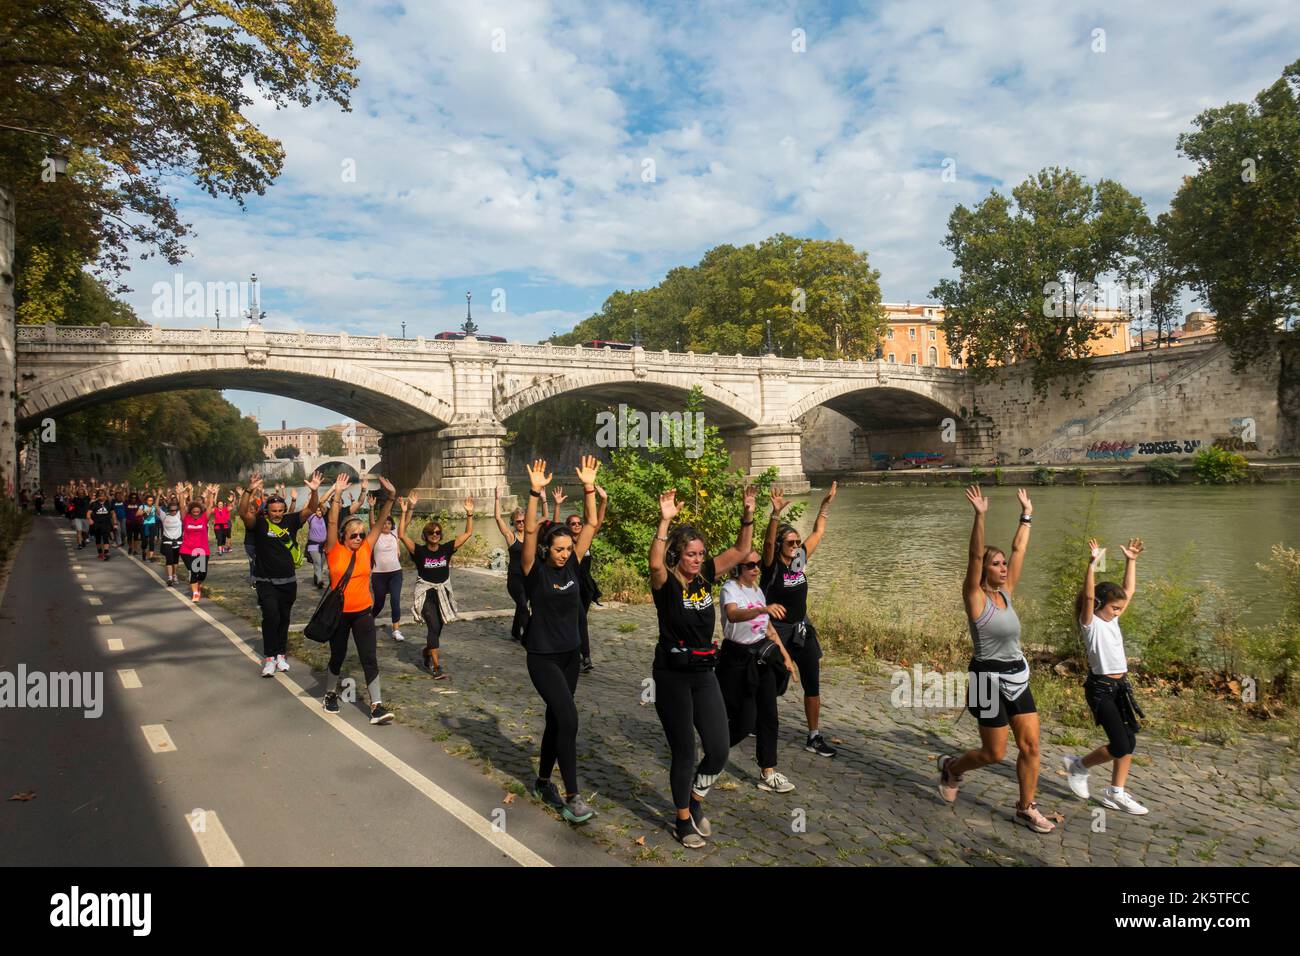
(708, 488)
(331, 443)
(1234, 225)
(286, 451)
(1028, 270)
(821, 297)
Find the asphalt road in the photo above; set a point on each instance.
(207, 763)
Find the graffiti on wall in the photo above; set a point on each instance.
(1111, 450)
(1066, 454)
(1169, 447)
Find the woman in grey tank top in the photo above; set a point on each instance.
(999, 673)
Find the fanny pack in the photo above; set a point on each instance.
(294, 551)
(683, 658)
(792, 634)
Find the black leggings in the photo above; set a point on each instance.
(432, 614)
(191, 563)
(382, 585)
(749, 690)
(222, 532)
(582, 631)
(361, 624)
(515, 585)
(1121, 740)
(556, 678)
(690, 701)
(276, 601)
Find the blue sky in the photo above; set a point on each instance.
(522, 169)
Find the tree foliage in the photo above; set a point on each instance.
(331, 443)
(1234, 226)
(821, 297)
(1027, 267)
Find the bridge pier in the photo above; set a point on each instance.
(444, 465)
(781, 447)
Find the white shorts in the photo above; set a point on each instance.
(79, 524)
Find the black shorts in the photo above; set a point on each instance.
(133, 532)
(1006, 709)
(807, 658)
(171, 550)
(1121, 740)
(103, 533)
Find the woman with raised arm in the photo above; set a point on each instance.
(785, 583)
(999, 672)
(435, 601)
(553, 639)
(686, 692)
(348, 550)
(386, 574)
(513, 535)
(195, 551)
(590, 590)
(1107, 690)
(271, 534)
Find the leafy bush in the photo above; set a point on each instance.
(147, 473)
(1163, 627)
(1162, 471)
(998, 477)
(1055, 624)
(1044, 476)
(1077, 475)
(976, 475)
(1276, 649)
(1218, 466)
(708, 490)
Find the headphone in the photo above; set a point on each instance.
(683, 534)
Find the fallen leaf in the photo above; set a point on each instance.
(508, 798)
(1057, 816)
(640, 841)
(24, 795)
(836, 740)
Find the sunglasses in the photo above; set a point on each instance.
(793, 543)
(519, 521)
(433, 534)
(749, 565)
(356, 537)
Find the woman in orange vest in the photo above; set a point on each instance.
(348, 551)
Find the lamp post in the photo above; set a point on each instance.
(403, 331)
(469, 328)
(636, 329)
(218, 319)
(253, 313)
(767, 344)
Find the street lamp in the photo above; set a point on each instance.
(767, 344)
(469, 328)
(403, 331)
(218, 318)
(636, 329)
(253, 313)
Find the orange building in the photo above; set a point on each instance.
(914, 335)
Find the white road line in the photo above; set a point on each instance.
(94, 600)
(448, 802)
(160, 742)
(129, 679)
(104, 618)
(88, 587)
(76, 567)
(115, 644)
(82, 577)
(214, 843)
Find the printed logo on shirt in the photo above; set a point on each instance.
(697, 600)
(434, 563)
(792, 579)
(565, 586)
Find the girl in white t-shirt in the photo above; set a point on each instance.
(1110, 697)
(754, 668)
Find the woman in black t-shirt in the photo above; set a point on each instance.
(553, 639)
(513, 535)
(686, 692)
(784, 582)
(433, 568)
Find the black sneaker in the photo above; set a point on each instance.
(332, 703)
(817, 745)
(587, 665)
(439, 673)
(549, 794)
(379, 714)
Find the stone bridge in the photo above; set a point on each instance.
(443, 406)
(362, 465)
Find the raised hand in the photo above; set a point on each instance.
(750, 498)
(496, 493)
(1132, 549)
(538, 476)
(1095, 550)
(314, 481)
(558, 494)
(587, 470)
(412, 498)
(1026, 506)
(469, 505)
(778, 502)
(341, 481)
(604, 495)
(668, 506)
(387, 485)
(830, 495)
(977, 499)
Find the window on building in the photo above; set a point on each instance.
(911, 332)
(932, 335)
(889, 333)
(891, 356)
(934, 355)
(913, 358)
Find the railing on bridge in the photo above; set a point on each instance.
(50, 334)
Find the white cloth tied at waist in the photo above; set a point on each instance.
(446, 600)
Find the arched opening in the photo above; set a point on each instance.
(879, 427)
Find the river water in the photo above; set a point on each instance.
(909, 543)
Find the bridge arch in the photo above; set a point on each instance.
(365, 394)
(648, 392)
(872, 406)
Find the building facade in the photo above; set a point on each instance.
(358, 439)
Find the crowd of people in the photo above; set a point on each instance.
(720, 694)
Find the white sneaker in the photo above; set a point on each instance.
(1076, 775)
(280, 663)
(397, 634)
(775, 782)
(1120, 800)
(268, 668)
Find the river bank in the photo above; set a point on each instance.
(1109, 473)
